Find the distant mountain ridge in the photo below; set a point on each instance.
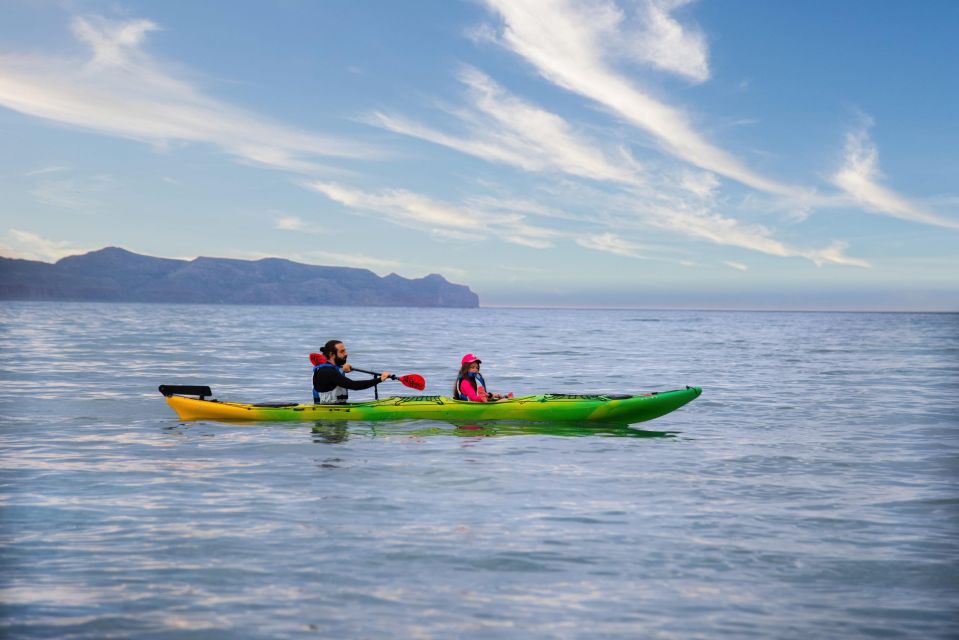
(117, 275)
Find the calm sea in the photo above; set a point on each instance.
(811, 492)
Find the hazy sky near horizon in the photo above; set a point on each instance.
(741, 153)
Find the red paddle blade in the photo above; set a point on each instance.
(317, 359)
(414, 381)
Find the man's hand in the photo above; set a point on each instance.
(346, 367)
(384, 376)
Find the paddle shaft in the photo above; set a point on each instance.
(376, 387)
(373, 373)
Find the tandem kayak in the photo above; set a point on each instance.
(610, 409)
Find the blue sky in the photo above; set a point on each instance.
(641, 153)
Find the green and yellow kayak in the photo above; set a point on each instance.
(610, 409)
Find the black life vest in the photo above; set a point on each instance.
(336, 395)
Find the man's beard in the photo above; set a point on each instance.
(338, 361)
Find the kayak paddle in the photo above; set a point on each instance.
(411, 380)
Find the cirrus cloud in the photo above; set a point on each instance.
(122, 91)
(505, 129)
(860, 178)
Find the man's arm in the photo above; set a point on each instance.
(357, 385)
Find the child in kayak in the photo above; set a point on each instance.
(470, 384)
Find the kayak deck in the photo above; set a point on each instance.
(536, 408)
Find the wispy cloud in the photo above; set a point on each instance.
(522, 206)
(611, 243)
(356, 260)
(694, 221)
(683, 204)
(45, 171)
(860, 178)
(575, 44)
(418, 211)
(705, 224)
(289, 223)
(121, 90)
(662, 42)
(668, 204)
(702, 184)
(399, 205)
(285, 222)
(739, 266)
(30, 246)
(580, 46)
(359, 261)
(571, 44)
(505, 129)
(113, 43)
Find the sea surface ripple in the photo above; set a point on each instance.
(811, 491)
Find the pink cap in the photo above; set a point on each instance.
(469, 357)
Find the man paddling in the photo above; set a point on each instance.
(330, 385)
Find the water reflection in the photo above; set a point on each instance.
(330, 432)
(335, 432)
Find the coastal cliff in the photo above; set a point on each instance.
(117, 275)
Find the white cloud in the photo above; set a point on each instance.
(457, 222)
(521, 206)
(357, 260)
(380, 265)
(113, 43)
(399, 205)
(570, 45)
(610, 243)
(669, 206)
(702, 184)
(289, 223)
(834, 254)
(664, 43)
(45, 171)
(683, 204)
(739, 266)
(30, 246)
(521, 233)
(505, 129)
(120, 90)
(722, 230)
(444, 219)
(860, 175)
